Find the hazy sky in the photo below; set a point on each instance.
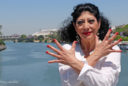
(29, 16)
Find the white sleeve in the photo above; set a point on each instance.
(107, 75)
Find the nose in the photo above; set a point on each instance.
(86, 26)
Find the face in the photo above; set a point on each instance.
(86, 25)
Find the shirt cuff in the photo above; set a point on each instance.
(84, 71)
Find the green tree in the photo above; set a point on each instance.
(0, 29)
(41, 38)
(23, 36)
(2, 42)
(122, 29)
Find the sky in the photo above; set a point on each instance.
(30, 16)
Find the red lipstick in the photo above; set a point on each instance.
(87, 33)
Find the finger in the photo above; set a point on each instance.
(74, 45)
(54, 49)
(115, 43)
(56, 61)
(113, 37)
(119, 51)
(54, 55)
(58, 44)
(108, 34)
(97, 40)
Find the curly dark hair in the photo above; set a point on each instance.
(68, 33)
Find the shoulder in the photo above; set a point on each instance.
(67, 46)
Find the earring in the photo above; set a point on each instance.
(97, 34)
(78, 38)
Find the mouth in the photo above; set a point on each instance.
(87, 33)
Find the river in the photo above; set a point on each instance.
(26, 64)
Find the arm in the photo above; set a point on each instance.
(107, 75)
(68, 56)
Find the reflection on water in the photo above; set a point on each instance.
(123, 80)
(25, 64)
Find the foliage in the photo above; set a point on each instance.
(2, 42)
(0, 29)
(40, 38)
(122, 29)
(23, 36)
(123, 38)
(54, 35)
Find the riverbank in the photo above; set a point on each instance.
(2, 47)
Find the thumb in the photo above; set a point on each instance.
(74, 45)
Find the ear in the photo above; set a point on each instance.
(99, 23)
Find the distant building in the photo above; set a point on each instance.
(113, 27)
(44, 32)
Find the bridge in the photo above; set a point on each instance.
(13, 38)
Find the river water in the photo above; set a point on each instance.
(25, 64)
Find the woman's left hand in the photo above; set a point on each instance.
(63, 56)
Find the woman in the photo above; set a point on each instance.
(95, 59)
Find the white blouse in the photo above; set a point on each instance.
(104, 73)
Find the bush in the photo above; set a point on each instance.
(2, 42)
(123, 38)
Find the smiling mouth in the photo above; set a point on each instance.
(87, 33)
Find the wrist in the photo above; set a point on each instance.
(96, 56)
(93, 58)
(77, 65)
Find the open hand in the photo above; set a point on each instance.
(105, 47)
(63, 55)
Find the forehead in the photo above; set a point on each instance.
(86, 15)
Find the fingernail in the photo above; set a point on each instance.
(48, 46)
(110, 29)
(46, 52)
(117, 33)
(120, 39)
(54, 40)
(49, 62)
(76, 42)
(120, 50)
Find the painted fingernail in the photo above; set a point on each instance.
(54, 40)
(110, 29)
(76, 42)
(120, 39)
(46, 52)
(117, 33)
(49, 62)
(48, 46)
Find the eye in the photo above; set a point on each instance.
(91, 21)
(80, 22)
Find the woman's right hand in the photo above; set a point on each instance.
(104, 48)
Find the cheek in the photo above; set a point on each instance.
(96, 28)
(78, 30)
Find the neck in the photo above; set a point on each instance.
(87, 45)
